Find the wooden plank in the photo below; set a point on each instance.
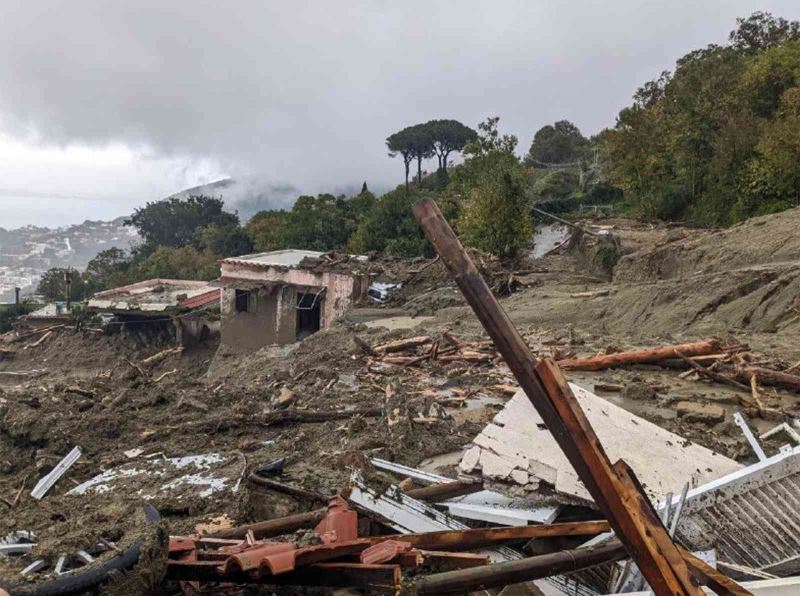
(714, 579)
(479, 537)
(447, 490)
(666, 573)
(512, 572)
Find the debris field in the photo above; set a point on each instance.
(395, 452)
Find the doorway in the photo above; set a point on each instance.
(309, 311)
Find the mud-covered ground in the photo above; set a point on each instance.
(670, 285)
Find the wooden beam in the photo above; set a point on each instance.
(445, 490)
(475, 538)
(714, 579)
(549, 393)
(513, 572)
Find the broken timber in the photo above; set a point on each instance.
(511, 572)
(612, 488)
(699, 348)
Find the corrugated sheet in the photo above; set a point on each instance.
(750, 517)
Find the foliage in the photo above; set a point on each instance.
(422, 141)
(559, 143)
(175, 222)
(266, 230)
(449, 136)
(556, 184)
(169, 262)
(772, 179)
(52, 285)
(321, 223)
(494, 215)
(106, 270)
(9, 312)
(389, 227)
(227, 239)
(761, 31)
(712, 142)
(489, 139)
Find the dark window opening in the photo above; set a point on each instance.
(245, 301)
(308, 314)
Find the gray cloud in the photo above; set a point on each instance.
(304, 93)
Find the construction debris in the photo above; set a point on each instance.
(47, 481)
(409, 403)
(516, 453)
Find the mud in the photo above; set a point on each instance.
(668, 284)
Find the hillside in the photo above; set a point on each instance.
(26, 253)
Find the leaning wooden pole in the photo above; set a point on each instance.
(630, 514)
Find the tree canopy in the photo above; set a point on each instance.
(175, 221)
(712, 141)
(558, 143)
(422, 141)
(495, 214)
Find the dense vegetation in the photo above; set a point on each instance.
(718, 140)
(714, 142)
(9, 312)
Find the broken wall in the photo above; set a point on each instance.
(278, 324)
(249, 331)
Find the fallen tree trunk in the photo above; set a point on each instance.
(700, 348)
(513, 572)
(767, 376)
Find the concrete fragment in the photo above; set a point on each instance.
(518, 441)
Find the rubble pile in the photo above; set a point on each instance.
(401, 456)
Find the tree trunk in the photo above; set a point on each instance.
(651, 355)
(419, 170)
(408, 163)
(444, 161)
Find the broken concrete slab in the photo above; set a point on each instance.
(517, 455)
(485, 505)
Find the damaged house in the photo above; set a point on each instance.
(282, 296)
(180, 304)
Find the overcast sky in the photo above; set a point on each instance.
(106, 105)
